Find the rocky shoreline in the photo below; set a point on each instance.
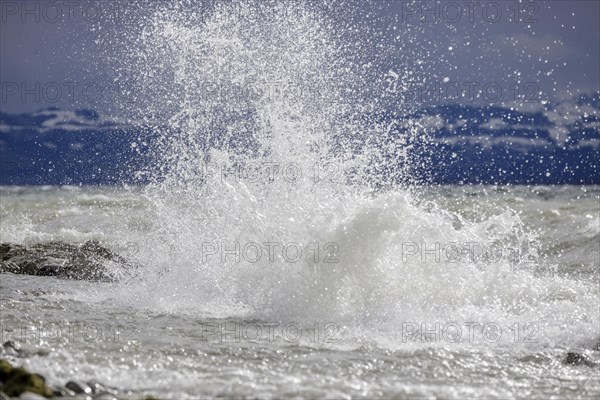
(87, 261)
(19, 383)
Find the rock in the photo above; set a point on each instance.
(15, 349)
(4, 248)
(578, 359)
(4, 396)
(88, 261)
(62, 391)
(99, 388)
(11, 348)
(16, 381)
(5, 368)
(79, 387)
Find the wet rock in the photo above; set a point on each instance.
(79, 387)
(577, 359)
(5, 368)
(62, 391)
(99, 388)
(11, 348)
(88, 261)
(16, 381)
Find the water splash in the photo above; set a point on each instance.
(275, 132)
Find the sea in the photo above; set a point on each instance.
(439, 292)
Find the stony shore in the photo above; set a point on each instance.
(19, 383)
(87, 261)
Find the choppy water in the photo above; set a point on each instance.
(495, 327)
